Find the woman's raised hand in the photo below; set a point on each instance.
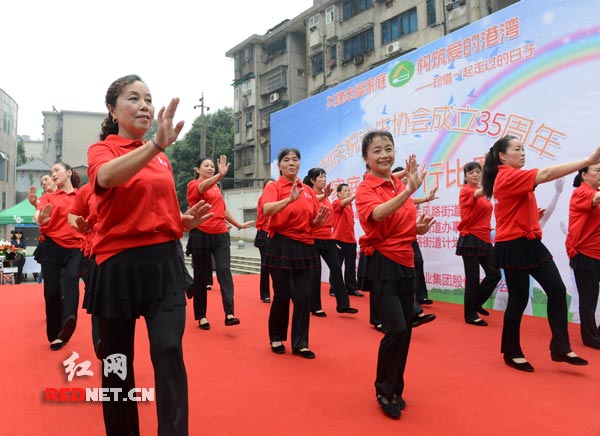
(167, 133)
(415, 179)
(223, 165)
(196, 215)
(322, 215)
(296, 191)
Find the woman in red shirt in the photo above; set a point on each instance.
(388, 217)
(583, 249)
(260, 242)
(325, 245)
(294, 213)
(519, 250)
(136, 270)
(475, 245)
(211, 238)
(59, 250)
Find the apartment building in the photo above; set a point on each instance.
(329, 43)
(8, 149)
(68, 135)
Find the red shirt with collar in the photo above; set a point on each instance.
(295, 220)
(325, 232)
(262, 221)
(85, 206)
(584, 223)
(475, 214)
(515, 207)
(215, 224)
(343, 217)
(142, 211)
(393, 236)
(58, 228)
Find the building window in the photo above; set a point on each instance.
(398, 26)
(249, 214)
(3, 200)
(248, 119)
(3, 167)
(329, 15)
(274, 80)
(276, 48)
(300, 72)
(236, 125)
(358, 44)
(332, 55)
(317, 64)
(355, 7)
(431, 12)
(313, 21)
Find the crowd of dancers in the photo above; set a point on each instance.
(121, 233)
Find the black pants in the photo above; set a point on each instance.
(375, 317)
(476, 294)
(265, 291)
(203, 277)
(326, 249)
(421, 286)
(587, 287)
(165, 333)
(61, 303)
(396, 310)
(517, 282)
(290, 285)
(347, 255)
(20, 264)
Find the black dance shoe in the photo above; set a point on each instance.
(356, 293)
(266, 300)
(390, 408)
(279, 349)
(205, 326)
(319, 313)
(525, 366)
(420, 320)
(55, 346)
(483, 312)
(426, 301)
(571, 360)
(307, 354)
(231, 321)
(347, 310)
(478, 322)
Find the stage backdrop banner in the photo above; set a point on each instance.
(530, 70)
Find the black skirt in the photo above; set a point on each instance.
(287, 253)
(581, 262)
(49, 251)
(374, 271)
(199, 241)
(471, 245)
(261, 239)
(141, 281)
(519, 253)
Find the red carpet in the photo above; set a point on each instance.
(456, 380)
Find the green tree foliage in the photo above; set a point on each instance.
(21, 158)
(185, 152)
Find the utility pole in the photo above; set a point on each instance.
(203, 126)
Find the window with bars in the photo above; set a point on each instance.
(274, 80)
(398, 26)
(358, 44)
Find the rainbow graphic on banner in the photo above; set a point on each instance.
(566, 52)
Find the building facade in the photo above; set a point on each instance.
(68, 135)
(8, 149)
(327, 44)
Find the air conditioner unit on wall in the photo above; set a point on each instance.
(358, 59)
(274, 97)
(392, 48)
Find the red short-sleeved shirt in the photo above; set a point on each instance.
(515, 207)
(58, 228)
(343, 218)
(584, 223)
(296, 220)
(475, 214)
(325, 232)
(262, 221)
(392, 237)
(215, 224)
(85, 206)
(142, 211)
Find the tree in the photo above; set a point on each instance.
(21, 158)
(185, 152)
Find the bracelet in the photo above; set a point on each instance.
(156, 145)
